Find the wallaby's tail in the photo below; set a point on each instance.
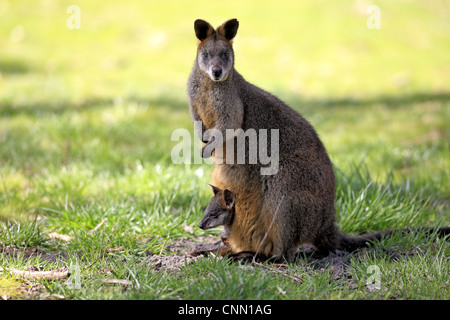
(349, 243)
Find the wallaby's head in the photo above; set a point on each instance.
(220, 210)
(215, 54)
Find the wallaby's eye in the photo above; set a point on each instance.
(214, 215)
(205, 54)
(226, 54)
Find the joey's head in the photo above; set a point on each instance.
(220, 210)
(215, 54)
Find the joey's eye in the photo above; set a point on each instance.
(205, 54)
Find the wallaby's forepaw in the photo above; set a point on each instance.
(206, 153)
(242, 256)
(225, 241)
(208, 149)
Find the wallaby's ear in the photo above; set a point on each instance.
(229, 29)
(202, 29)
(214, 189)
(228, 196)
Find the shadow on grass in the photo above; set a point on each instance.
(47, 108)
(10, 66)
(392, 101)
(179, 103)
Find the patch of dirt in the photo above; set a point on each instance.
(193, 247)
(171, 262)
(181, 252)
(186, 251)
(50, 256)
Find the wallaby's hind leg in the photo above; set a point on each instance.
(327, 240)
(290, 250)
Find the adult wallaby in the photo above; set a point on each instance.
(274, 213)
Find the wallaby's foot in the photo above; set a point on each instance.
(217, 248)
(204, 154)
(248, 256)
(224, 250)
(242, 256)
(205, 248)
(319, 254)
(306, 253)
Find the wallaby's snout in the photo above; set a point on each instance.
(201, 225)
(216, 72)
(209, 221)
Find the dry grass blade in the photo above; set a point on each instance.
(58, 236)
(57, 274)
(117, 281)
(270, 226)
(114, 250)
(53, 296)
(98, 226)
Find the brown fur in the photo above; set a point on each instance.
(274, 214)
(220, 211)
(250, 222)
(208, 116)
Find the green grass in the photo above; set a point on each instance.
(86, 118)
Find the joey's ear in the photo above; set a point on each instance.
(202, 29)
(228, 196)
(214, 189)
(229, 29)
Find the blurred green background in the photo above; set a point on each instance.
(83, 109)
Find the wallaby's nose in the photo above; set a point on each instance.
(200, 225)
(217, 72)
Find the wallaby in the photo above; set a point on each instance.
(274, 214)
(219, 212)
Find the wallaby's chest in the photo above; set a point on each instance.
(204, 106)
(208, 101)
